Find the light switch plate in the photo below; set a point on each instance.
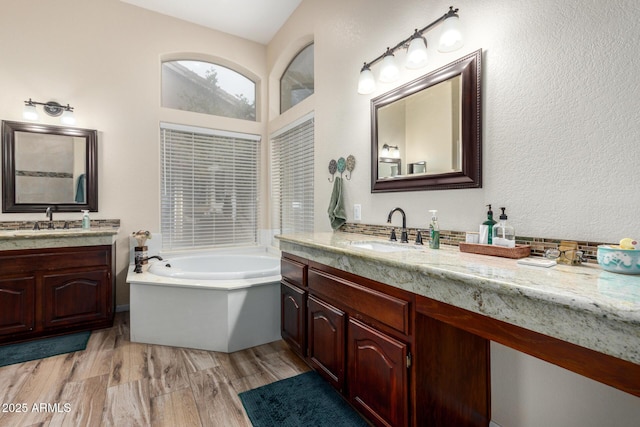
(357, 212)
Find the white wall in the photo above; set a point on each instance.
(560, 145)
(103, 57)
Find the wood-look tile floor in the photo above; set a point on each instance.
(115, 382)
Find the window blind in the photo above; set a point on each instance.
(292, 176)
(209, 188)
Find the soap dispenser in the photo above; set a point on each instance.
(434, 231)
(503, 233)
(86, 221)
(486, 228)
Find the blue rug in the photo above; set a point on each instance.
(304, 400)
(45, 347)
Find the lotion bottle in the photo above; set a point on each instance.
(503, 233)
(434, 231)
(86, 221)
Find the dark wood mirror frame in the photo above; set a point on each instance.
(9, 204)
(469, 68)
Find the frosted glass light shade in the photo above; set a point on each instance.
(29, 112)
(416, 54)
(389, 71)
(366, 82)
(68, 118)
(451, 36)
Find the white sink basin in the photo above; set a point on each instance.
(380, 246)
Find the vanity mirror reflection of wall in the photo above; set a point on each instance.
(56, 175)
(48, 166)
(425, 127)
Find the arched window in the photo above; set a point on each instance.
(297, 81)
(203, 87)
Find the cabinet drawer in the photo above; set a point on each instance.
(293, 271)
(392, 311)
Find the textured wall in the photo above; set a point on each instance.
(560, 128)
(560, 105)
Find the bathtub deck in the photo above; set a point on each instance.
(116, 382)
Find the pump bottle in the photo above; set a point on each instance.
(486, 228)
(86, 221)
(503, 233)
(434, 231)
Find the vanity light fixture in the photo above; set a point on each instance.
(390, 151)
(52, 108)
(416, 45)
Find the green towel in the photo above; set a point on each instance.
(337, 214)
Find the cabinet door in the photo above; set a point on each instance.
(17, 305)
(377, 372)
(75, 297)
(293, 317)
(326, 341)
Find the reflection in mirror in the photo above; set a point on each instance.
(48, 166)
(426, 134)
(425, 125)
(56, 174)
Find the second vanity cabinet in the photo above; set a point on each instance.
(53, 291)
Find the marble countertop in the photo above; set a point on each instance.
(584, 305)
(35, 239)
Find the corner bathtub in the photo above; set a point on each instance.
(218, 301)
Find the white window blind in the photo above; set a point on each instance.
(209, 188)
(292, 176)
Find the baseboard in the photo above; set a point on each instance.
(492, 424)
(125, 307)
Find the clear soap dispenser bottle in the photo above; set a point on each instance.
(434, 231)
(503, 233)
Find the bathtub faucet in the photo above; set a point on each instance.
(140, 260)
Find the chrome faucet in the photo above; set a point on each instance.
(403, 236)
(49, 214)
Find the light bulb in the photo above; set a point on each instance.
(29, 112)
(416, 53)
(68, 118)
(366, 82)
(451, 36)
(389, 71)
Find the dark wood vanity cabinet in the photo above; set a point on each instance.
(395, 365)
(293, 304)
(55, 291)
(357, 337)
(326, 334)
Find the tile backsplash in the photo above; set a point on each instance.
(28, 225)
(447, 237)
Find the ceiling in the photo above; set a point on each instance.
(256, 20)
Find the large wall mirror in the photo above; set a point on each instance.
(48, 166)
(426, 134)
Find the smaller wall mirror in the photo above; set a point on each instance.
(48, 166)
(426, 134)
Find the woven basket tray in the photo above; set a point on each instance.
(520, 251)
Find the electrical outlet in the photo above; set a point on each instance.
(357, 212)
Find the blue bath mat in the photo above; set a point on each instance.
(304, 400)
(45, 347)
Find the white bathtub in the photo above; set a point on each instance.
(220, 301)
